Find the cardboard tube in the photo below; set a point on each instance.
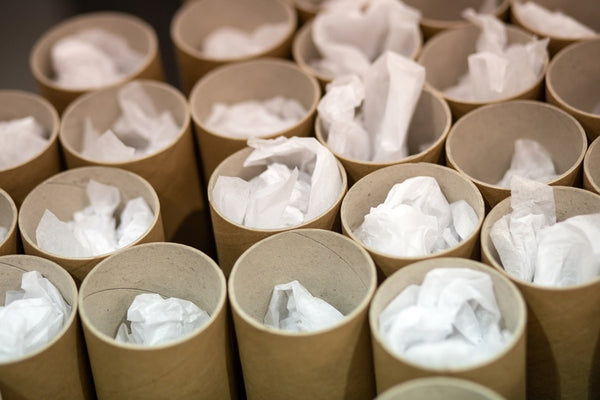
(439, 388)
(372, 190)
(20, 179)
(591, 167)
(172, 171)
(65, 193)
(139, 35)
(563, 331)
(198, 365)
(481, 144)
(259, 79)
(573, 83)
(333, 363)
(445, 60)
(195, 20)
(58, 370)
(8, 220)
(430, 123)
(503, 373)
(233, 239)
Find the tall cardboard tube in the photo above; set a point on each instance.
(8, 220)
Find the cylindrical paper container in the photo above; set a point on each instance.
(504, 373)
(233, 239)
(440, 15)
(139, 35)
(563, 330)
(197, 19)
(260, 80)
(439, 388)
(333, 363)
(372, 190)
(586, 12)
(481, 144)
(8, 220)
(591, 167)
(65, 193)
(172, 171)
(60, 369)
(307, 9)
(20, 179)
(573, 83)
(445, 60)
(196, 366)
(430, 124)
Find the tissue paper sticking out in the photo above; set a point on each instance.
(497, 70)
(20, 140)
(93, 57)
(3, 233)
(451, 321)
(93, 230)
(255, 118)
(530, 160)
(230, 42)
(293, 308)
(551, 23)
(139, 131)
(416, 220)
(535, 248)
(154, 320)
(301, 181)
(350, 38)
(368, 118)
(31, 317)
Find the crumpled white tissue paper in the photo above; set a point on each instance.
(452, 320)
(231, 42)
(530, 160)
(93, 57)
(416, 220)
(93, 230)
(293, 308)
(20, 140)
(368, 118)
(498, 70)
(154, 320)
(533, 247)
(31, 317)
(350, 38)
(255, 118)
(139, 131)
(551, 23)
(301, 181)
(3, 233)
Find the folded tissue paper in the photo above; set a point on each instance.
(140, 130)
(497, 70)
(367, 117)
(92, 58)
(3, 233)
(231, 42)
(551, 23)
(300, 182)
(21, 140)
(351, 37)
(292, 308)
(452, 320)
(530, 160)
(416, 220)
(254, 117)
(535, 248)
(93, 230)
(31, 317)
(154, 320)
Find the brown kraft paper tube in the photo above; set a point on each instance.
(591, 167)
(439, 388)
(8, 220)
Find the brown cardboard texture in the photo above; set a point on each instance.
(563, 329)
(591, 167)
(65, 193)
(439, 388)
(8, 220)
(58, 370)
(481, 144)
(332, 363)
(372, 190)
(504, 373)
